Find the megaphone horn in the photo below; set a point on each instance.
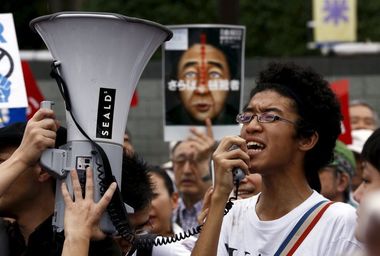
(99, 58)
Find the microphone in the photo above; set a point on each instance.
(238, 173)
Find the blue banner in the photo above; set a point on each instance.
(12, 115)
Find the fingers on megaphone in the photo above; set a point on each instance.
(42, 113)
(46, 113)
(47, 104)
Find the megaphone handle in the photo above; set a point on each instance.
(47, 104)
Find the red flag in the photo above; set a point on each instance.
(135, 99)
(32, 91)
(341, 89)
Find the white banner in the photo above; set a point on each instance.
(12, 85)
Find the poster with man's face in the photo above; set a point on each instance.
(203, 78)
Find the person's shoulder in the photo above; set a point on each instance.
(341, 209)
(337, 211)
(342, 213)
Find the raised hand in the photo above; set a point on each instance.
(206, 206)
(40, 133)
(203, 142)
(225, 160)
(82, 215)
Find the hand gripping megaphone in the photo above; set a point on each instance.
(99, 58)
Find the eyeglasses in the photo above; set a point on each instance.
(247, 117)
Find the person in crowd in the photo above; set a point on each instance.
(165, 200)
(371, 166)
(368, 225)
(289, 129)
(359, 137)
(191, 167)
(136, 190)
(368, 196)
(249, 186)
(30, 198)
(139, 192)
(336, 176)
(40, 133)
(363, 116)
(127, 143)
(364, 120)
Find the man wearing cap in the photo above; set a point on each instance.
(336, 176)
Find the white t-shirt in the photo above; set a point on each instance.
(244, 234)
(173, 249)
(180, 248)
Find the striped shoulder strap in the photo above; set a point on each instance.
(302, 228)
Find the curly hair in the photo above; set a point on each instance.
(371, 149)
(315, 103)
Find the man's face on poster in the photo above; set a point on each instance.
(206, 68)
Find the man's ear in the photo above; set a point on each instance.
(43, 175)
(307, 143)
(175, 200)
(343, 182)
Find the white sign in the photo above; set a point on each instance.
(179, 40)
(12, 85)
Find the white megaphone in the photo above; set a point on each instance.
(99, 58)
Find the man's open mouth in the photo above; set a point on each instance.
(253, 145)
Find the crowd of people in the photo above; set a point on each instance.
(304, 193)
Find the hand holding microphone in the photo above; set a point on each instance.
(231, 162)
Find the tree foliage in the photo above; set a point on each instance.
(167, 12)
(274, 28)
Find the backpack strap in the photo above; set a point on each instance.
(302, 228)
